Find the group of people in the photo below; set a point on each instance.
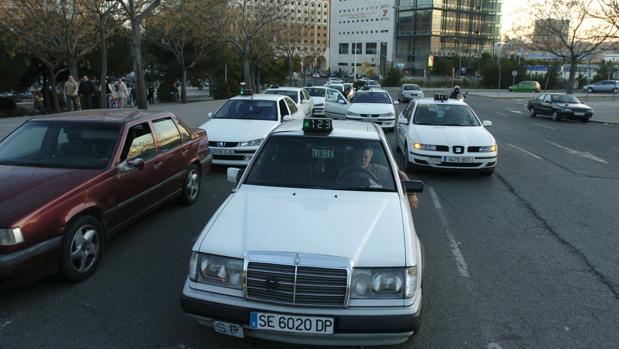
(74, 90)
(80, 94)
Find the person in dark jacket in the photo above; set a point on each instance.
(86, 90)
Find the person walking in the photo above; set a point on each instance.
(86, 90)
(151, 95)
(71, 88)
(121, 93)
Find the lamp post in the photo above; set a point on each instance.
(457, 40)
(498, 51)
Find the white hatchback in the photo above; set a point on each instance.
(445, 134)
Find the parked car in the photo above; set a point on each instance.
(70, 182)
(559, 106)
(610, 86)
(374, 106)
(408, 92)
(299, 95)
(317, 94)
(526, 86)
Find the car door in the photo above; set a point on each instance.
(137, 186)
(402, 124)
(336, 105)
(303, 103)
(173, 158)
(309, 103)
(295, 112)
(283, 110)
(546, 105)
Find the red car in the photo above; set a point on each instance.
(70, 182)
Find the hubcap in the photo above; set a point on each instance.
(193, 184)
(84, 248)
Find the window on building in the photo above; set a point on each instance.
(343, 49)
(370, 48)
(357, 48)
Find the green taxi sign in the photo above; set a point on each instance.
(317, 125)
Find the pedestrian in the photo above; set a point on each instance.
(86, 90)
(121, 93)
(132, 100)
(71, 88)
(151, 94)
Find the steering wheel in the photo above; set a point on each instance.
(359, 170)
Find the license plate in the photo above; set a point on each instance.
(579, 114)
(291, 323)
(434, 161)
(229, 329)
(458, 159)
(222, 151)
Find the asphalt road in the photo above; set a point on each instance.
(525, 258)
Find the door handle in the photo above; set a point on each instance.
(185, 150)
(157, 164)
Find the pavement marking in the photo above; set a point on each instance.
(502, 114)
(453, 244)
(494, 346)
(524, 151)
(4, 323)
(583, 154)
(544, 126)
(615, 149)
(515, 111)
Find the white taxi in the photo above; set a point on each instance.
(374, 105)
(238, 128)
(447, 134)
(316, 244)
(299, 95)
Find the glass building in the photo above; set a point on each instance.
(444, 28)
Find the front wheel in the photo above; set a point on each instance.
(82, 247)
(532, 112)
(589, 90)
(615, 91)
(408, 166)
(555, 116)
(191, 187)
(585, 120)
(486, 172)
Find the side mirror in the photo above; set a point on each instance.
(131, 165)
(402, 121)
(412, 186)
(396, 102)
(486, 123)
(234, 175)
(287, 118)
(305, 101)
(210, 114)
(341, 101)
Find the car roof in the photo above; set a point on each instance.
(111, 116)
(373, 90)
(285, 88)
(449, 101)
(260, 96)
(341, 129)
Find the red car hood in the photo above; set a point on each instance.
(25, 189)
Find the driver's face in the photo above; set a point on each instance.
(364, 157)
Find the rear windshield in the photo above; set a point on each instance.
(248, 109)
(292, 94)
(372, 97)
(412, 87)
(316, 92)
(445, 115)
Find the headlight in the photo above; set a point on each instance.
(389, 115)
(383, 283)
(10, 237)
(216, 270)
(252, 143)
(420, 146)
(349, 113)
(488, 149)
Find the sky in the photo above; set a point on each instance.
(510, 12)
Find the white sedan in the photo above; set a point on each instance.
(238, 128)
(299, 95)
(445, 134)
(374, 106)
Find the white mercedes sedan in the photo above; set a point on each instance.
(443, 133)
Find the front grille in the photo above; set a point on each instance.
(222, 144)
(459, 164)
(298, 285)
(228, 157)
(369, 115)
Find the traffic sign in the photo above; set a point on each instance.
(514, 72)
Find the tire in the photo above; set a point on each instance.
(589, 90)
(191, 186)
(407, 164)
(555, 116)
(486, 172)
(615, 90)
(82, 248)
(532, 112)
(585, 120)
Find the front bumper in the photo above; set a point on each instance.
(575, 115)
(237, 156)
(384, 122)
(29, 263)
(478, 161)
(206, 163)
(319, 110)
(353, 325)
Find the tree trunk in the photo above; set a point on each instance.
(102, 77)
(258, 78)
(572, 76)
(290, 70)
(52, 81)
(73, 67)
(136, 55)
(183, 83)
(246, 69)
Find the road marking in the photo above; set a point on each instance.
(615, 149)
(4, 323)
(453, 244)
(515, 111)
(494, 346)
(579, 153)
(502, 114)
(524, 151)
(544, 126)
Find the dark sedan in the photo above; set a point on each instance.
(559, 106)
(70, 182)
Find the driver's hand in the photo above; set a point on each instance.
(412, 200)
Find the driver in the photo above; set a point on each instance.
(456, 94)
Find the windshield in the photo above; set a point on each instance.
(445, 114)
(371, 97)
(412, 87)
(323, 163)
(316, 92)
(564, 99)
(60, 145)
(292, 94)
(337, 87)
(248, 109)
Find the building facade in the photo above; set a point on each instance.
(313, 16)
(362, 36)
(444, 28)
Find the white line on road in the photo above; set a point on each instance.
(4, 323)
(524, 151)
(453, 244)
(615, 149)
(515, 111)
(502, 114)
(544, 126)
(494, 346)
(576, 152)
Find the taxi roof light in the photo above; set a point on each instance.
(317, 125)
(440, 97)
(245, 91)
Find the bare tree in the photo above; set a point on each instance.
(565, 29)
(289, 37)
(177, 28)
(240, 21)
(136, 11)
(608, 10)
(103, 12)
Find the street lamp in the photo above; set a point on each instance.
(457, 40)
(498, 52)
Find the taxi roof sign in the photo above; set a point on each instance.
(440, 97)
(317, 125)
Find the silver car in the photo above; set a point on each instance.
(603, 86)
